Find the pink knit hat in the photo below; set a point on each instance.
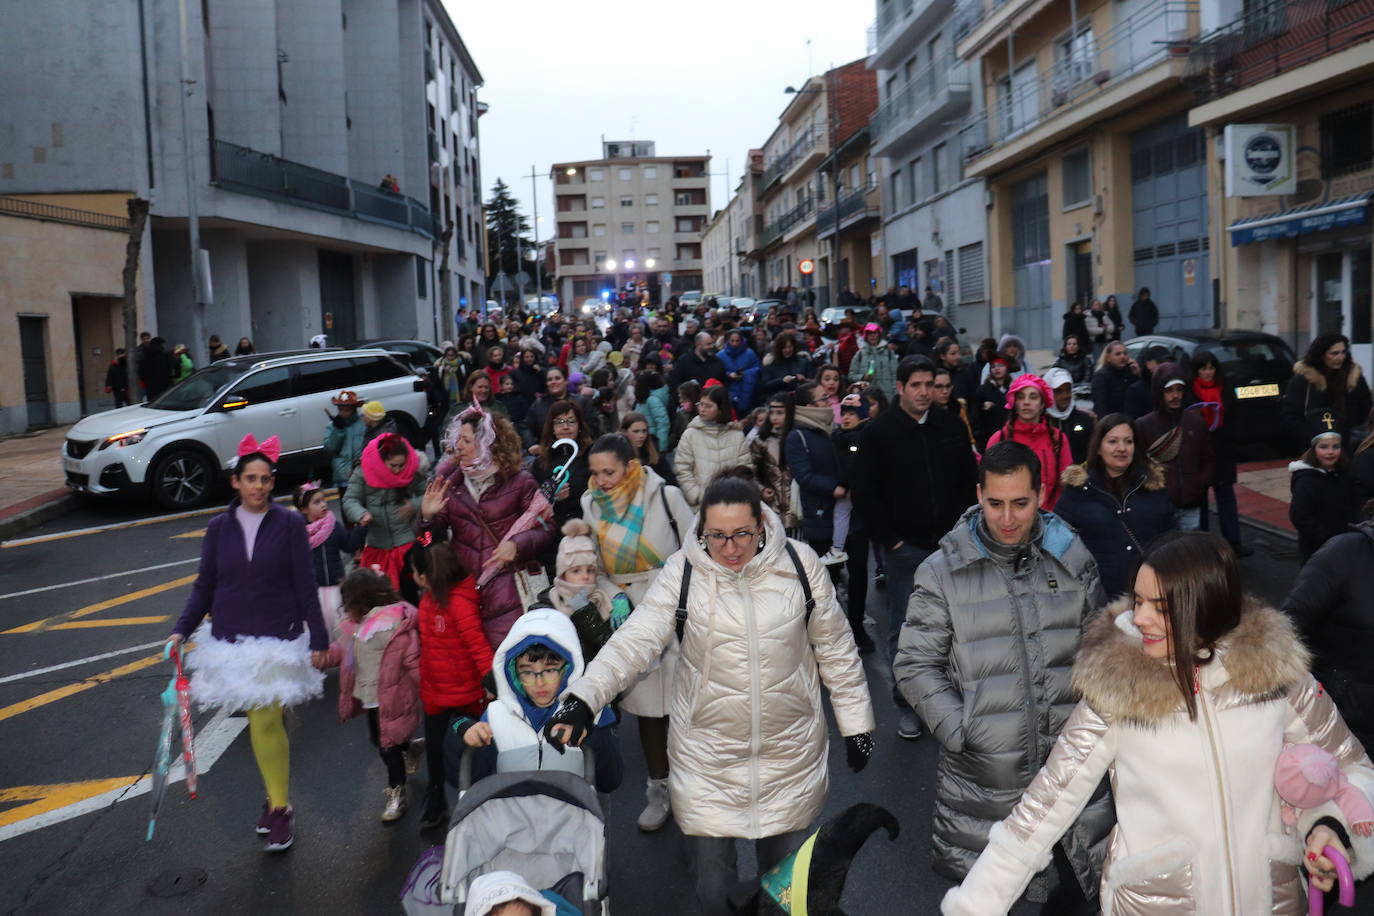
(1305, 776)
(1029, 381)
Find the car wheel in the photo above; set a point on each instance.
(182, 479)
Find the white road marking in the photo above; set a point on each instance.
(127, 572)
(112, 526)
(80, 661)
(211, 743)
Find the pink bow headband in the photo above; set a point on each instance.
(271, 447)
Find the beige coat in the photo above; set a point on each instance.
(1198, 829)
(747, 741)
(705, 449)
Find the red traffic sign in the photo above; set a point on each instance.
(807, 266)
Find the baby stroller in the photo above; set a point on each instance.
(545, 826)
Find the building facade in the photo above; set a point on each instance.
(934, 214)
(730, 238)
(1285, 93)
(1096, 183)
(788, 192)
(851, 203)
(630, 217)
(297, 116)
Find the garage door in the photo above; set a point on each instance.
(1169, 214)
(1030, 266)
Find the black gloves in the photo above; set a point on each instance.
(857, 750)
(575, 714)
(338, 421)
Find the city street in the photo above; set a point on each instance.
(84, 604)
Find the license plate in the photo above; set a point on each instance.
(1257, 391)
(71, 464)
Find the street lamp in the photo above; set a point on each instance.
(629, 263)
(649, 264)
(830, 113)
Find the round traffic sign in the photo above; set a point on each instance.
(807, 266)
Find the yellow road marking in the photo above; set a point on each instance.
(51, 623)
(200, 533)
(111, 622)
(61, 693)
(42, 799)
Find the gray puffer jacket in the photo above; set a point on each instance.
(985, 657)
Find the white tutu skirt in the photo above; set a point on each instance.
(252, 671)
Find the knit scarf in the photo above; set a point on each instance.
(483, 465)
(1209, 394)
(320, 529)
(570, 598)
(820, 419)
(620, 532)
(375, 470)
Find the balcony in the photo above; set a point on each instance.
(1139, 58)
(793, 219)
(855, 206)
(1271, 39)
(932, 98)
(804, 149)
(893, 32)
(238, 168)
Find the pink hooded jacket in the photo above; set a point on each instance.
(1048, 443)
(398, 685)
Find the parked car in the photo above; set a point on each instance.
(762, 306)
(690, 299)
(417, 354)
(178, 448)
(1255, 365)
(831, 318)
(745, 305)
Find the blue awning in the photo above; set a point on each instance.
(1334, 214)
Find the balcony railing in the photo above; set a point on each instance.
(775, 230)
(1272, 38)
(923, 93)
(1154, 34)
(893, 13)
(264, 175)
(794, 153)
(851, 202)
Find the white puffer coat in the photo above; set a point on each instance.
(1198, 829)
(705, 449)
(747, 740)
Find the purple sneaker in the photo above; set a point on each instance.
(264, 825)
(279, 836)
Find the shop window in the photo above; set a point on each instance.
(1076, 170)
(1348, 140)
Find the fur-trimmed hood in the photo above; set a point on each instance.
(1263, 659)
(1076, 475)
(1317, 379)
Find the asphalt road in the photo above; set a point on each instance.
(78, 736)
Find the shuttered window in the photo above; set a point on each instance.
(971, 283)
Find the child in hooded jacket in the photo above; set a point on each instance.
(328, 540)
(594, 605)
(378, 656)
(1321, 506)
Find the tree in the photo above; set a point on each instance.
(507, 234)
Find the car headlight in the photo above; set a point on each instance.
(132, 437)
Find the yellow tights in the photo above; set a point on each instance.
(272, 751)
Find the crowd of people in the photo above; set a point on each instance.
(700, 561)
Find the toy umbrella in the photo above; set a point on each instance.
(188, 746)
(162, 757)
(540, 503)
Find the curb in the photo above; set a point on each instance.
(1273, 530)
(35, 511)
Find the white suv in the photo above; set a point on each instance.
(179, 445)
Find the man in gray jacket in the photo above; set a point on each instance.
(991, 631)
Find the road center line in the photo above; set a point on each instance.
(49, 623)
(9, 678)
(127, 572)
(61, 693)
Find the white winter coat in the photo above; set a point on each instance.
(747, 740)
(704, 449)
(1198, 829)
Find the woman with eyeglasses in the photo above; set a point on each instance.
(760, 632)
(564, 421)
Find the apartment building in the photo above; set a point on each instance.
(934, 214)
(728, 269)
(297, 115)
(1285, 92)
(852, 205)
(1096, 182)
(630, 217)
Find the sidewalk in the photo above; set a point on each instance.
(33, 485)
(1262, 496)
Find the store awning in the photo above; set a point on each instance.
(1334, 214)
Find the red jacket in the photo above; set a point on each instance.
(398, 685)
(495, 375)
(454, 652)
(844, 353)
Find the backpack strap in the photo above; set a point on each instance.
(805, 581)
(672, 522)
(681, 616)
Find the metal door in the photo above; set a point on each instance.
(336, 298)
(34, 354)
(1030, 233)
(1169, 216)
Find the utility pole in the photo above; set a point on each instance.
(538, 255)
(200, 347)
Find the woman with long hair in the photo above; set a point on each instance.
(770, 458)
(476, 497)
(1320, 507)
(634, 426)
(564, 421)
(478, 390)
(651, 400)
(453, 368)
(1327, 391)
(1028, 398)
(632, 350)
(785, 367)
(1117, 501)
(383, 496)
(486, 339)
(639, 521)
(1190, 690)
(1073, 360)
(710, 444)
(830, 380)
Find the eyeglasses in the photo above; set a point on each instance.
(566, 421)
(720, 538)
(822, 401)
(541, 675)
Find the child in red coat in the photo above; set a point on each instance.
(378, 654)
(455, 657)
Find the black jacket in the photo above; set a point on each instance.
(993, 418)
(1334, 612)
(1078, 427)
(325, 559)
(1076, 325)
(1362, 477)
(771, 378)
(1144, 314)
(1308, 397)
(1321, 507)
(1109, 389)
(913, 480)
(691, 366)
(1079, 368)
(1116, 530)
(811, 459)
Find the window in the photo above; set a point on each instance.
(686, 224)
(689, 252)
(651, 227)
(627, 228)
(596, 174)
(327, 375)
(937, 168)
(651, 200)
(625, 174)
(627, 201)
(598, 229)
(854, 175)
(933, 74)
(890, 90)
(598, 203)
(369, 369)
(898, 195)
(573, 257)
(971, 273)
(627, 256)
(1074, 56)
(913, 171)
(684, 199)
(1348, 140)
(1076, 171)
(1018, 100)
(652, 253)
(1030, 222)
(599, 258)
(650, 172)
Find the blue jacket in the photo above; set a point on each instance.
(655, 410)
(344, 446)
(1116, 532)
(274, 595)
(811, 459)
(746, 362)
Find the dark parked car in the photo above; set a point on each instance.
(1255, 365)
(419, 355)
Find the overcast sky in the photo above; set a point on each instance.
(692, 76)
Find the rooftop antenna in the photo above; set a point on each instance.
(810, 70)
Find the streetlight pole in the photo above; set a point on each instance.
(538, 259)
